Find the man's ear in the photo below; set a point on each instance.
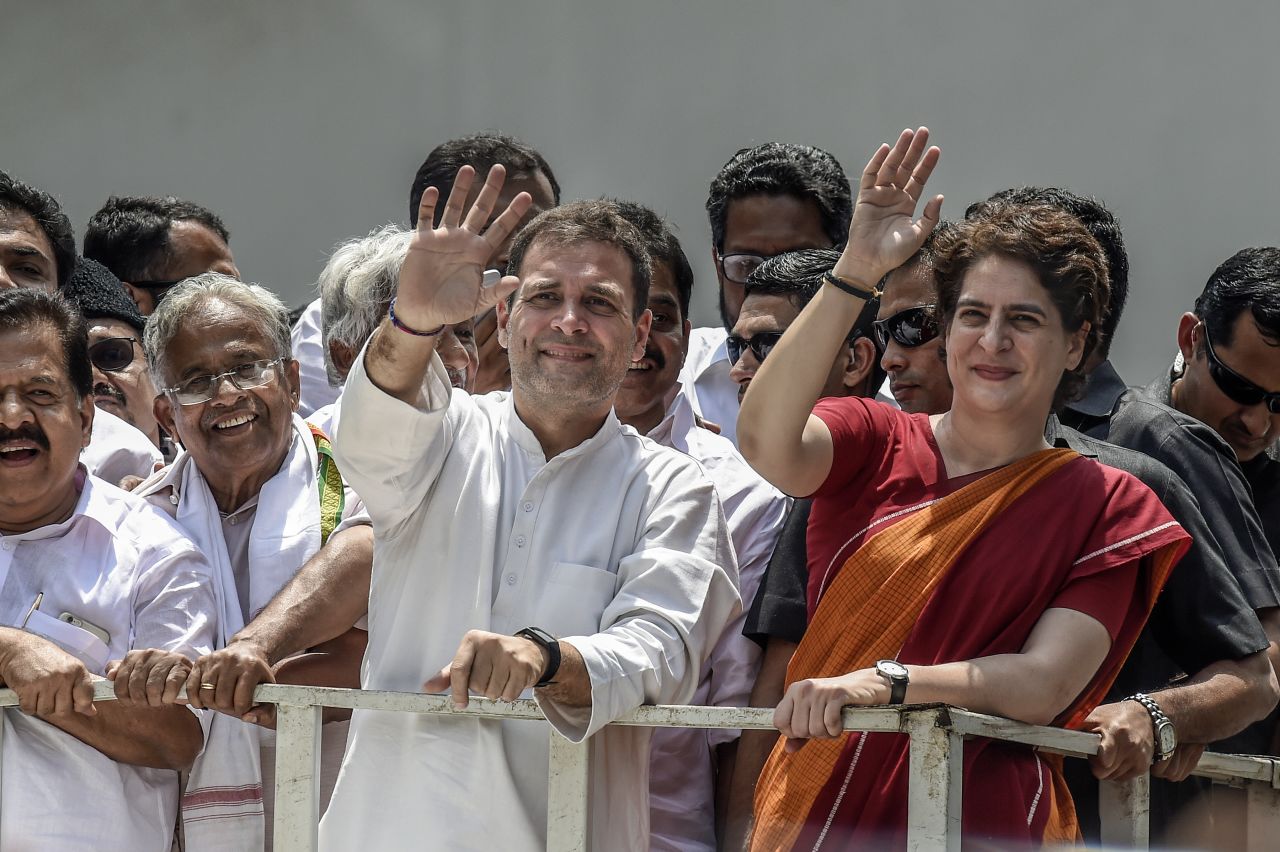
(860, 365)
(343, 357)
(162, 408)
(1075, 352)
(687, 329)
(293, 377)
(503, 314)
(1187, 336)
(143, 299)
(642, 334)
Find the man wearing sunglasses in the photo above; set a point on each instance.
(765, 201)
(151, 244)
(122, 385)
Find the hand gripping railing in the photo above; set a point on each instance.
(934, 789)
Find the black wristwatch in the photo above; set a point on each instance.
(552, 647)
(1166, 738)
(896, 674)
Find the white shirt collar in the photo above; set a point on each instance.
(674, 428)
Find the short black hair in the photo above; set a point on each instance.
(130, 234)
(797, 276)
(663, 248)
(777, 168)
(16, 196)
(1249, 280)
(1099, 221)
(588, 222)
(23, 308)
(481, 151)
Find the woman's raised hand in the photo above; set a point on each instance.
(442, 279)
(883, 233)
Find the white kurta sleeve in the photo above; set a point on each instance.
(676, 593)
(390, 452)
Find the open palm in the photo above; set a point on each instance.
(883, 233)
(442, 279)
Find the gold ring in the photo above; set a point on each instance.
(208, 686)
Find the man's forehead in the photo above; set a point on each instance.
(19, 231)
(30, 352)
(765, 313)
(907, 287)
(771, 224)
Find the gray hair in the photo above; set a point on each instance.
(356, 287)
(186, 301)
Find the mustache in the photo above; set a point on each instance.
(25, 432)
(655, 355)
(104, 389)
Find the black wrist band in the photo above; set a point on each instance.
(845, 286)
(391, 313)
(552, 646)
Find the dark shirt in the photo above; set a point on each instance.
(1089, 414)
(1263, 476)
(780, 608)
(1200, 617)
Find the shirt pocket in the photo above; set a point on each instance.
(78, 642)
(574, 598)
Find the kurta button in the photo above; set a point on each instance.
(528, 507)
(8, 545)
(511, 579)
(520, 541)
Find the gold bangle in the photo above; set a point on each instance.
(849, 287)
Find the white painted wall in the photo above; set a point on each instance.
(302, 123)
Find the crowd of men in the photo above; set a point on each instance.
(493, 457)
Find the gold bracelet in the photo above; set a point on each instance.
(848, 286)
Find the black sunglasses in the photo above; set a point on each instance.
(1235, 386)
(113, 353)
(760, 345)
(909, 329)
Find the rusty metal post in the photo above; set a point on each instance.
(935, 786)
(1125, 811)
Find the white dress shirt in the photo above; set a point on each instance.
(705, 381)
(117, 449)
(308, 351)
(681, 771)
(125, 570)
(618, 546)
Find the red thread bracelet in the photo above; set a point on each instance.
(391, 313)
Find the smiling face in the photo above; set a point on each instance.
(43, 428)
(26, 255)
(239, 434)
(569, 333)
(642, 400)
(917, 375)
(1006, 347)
(128, 393)
(1249, 429)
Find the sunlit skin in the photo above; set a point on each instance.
(26, 255)
(765, 225)
(193, 249)
(43, 428)
(917, 375)
(493, 372)
(650, 385)
(765, 313)
(1248, 429)
(127, 393)
(239, 438)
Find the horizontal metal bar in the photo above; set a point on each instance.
(1230, 767)
(1055, 740)
(103, 690)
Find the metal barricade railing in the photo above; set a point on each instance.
(935, 786)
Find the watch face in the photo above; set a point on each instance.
(1168, 741)
(892, 668)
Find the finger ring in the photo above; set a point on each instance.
(208, 686)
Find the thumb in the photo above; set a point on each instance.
(112, 668)
(439, 682)
(932, 214)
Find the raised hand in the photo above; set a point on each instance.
(883, 233)
(442, 279)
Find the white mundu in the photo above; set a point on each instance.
(617, 546)
(127, 572)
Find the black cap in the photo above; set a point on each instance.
(98, 293)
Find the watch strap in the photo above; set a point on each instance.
(897, 683)
(1158, 721)
(552, 647)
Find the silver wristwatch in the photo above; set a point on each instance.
(1165, 737)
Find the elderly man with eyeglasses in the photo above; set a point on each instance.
(257, 488)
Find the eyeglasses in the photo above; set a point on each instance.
(200, 389)
(1235, 386)
(760, 345)
(736, 267)
(113, 353)
(909, 329)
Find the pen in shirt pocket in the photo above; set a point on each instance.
(35, 605)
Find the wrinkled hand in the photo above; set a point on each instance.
(494, 372)
(150, 677)
(1180, 765)
(49, 681)
(812, 708)
(882, 234)
(492, 665)
(1128, 741)
(442, 279)
(234, 672)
